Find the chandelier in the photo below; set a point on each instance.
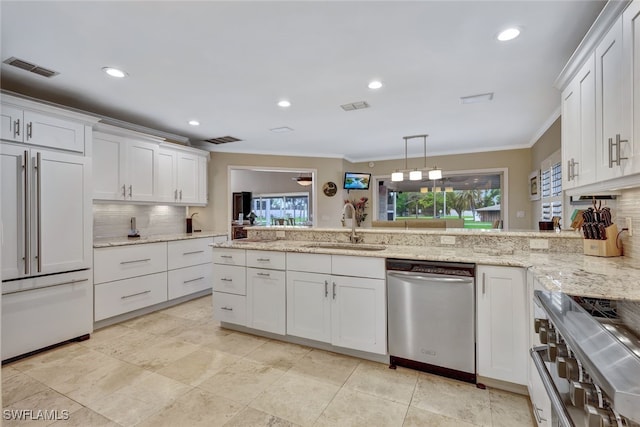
(416, 174)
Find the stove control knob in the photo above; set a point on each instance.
(547, 334)
(557, 349)
(537, 323)
(582, 394)
(572, 369)
(600, 417)
(561, 366)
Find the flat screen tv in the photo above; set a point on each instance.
(356, 181)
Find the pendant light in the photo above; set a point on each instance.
(416, 174)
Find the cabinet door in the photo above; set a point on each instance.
(359, 314)
(13, 159)
(502, 331)
(631, 72)
(12, 124)
(49, 131)
(167, 186)
(203, 177)
(611, 120)
(142, 168)
(579, 129)
(108, 168)
(266, 300)
(187, 178)
(62, 215)
(309, 305)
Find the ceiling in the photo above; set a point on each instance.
(227, 64)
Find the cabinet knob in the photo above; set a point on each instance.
(547, 334)
(582, 394)
(555, 350)
(537, 323)
(600, 417)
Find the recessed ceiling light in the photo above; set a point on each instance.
(114, 72)
(284, 103)
(508, 34)
(282, 129)
(194, 123)
(375, 84)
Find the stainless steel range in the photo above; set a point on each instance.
(589, 366)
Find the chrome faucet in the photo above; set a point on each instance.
(353, 238)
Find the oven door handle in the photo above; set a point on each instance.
(564, 419)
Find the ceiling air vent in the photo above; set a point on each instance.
(355, 106)
(28, 66)
(223, 140)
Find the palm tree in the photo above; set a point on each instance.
(470, 198)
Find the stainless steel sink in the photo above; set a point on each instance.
(347, 246)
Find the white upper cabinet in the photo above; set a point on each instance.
(33, 123)
(579, 128)
(611, 124)
(601, 103)
(631, 78)
(124, 168)
(182, 176)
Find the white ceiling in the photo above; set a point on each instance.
(228, 63)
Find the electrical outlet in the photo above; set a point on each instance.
(448, 240)
(280, 234)
(538, 244)
(629, 225)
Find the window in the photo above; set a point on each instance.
(475, 198)
(551, 185)
(281, 209)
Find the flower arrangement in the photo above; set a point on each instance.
(360, 206)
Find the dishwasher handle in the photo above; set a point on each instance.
(430, 277)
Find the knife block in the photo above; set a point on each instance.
(604, 248)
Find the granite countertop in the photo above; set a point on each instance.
(106, 242)
(573, 274)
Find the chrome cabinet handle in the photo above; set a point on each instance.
(263, 259)
(192, 252)
(264, 274)
(568, 170)
(226, 308)
(573, 169)
(136, 294)
(16, 128)
(180, 194)
(39, 211)
(226, 256)
(334, 290)
(326, 288)
(483, 283)
(193, 280)
(175, 194)
(135, 260)
(618, 145)
(27, 216)
(225, 279)
(124, 191)
(610, 153)
(29, 130)
(130, 190)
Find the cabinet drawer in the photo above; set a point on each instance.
(229, 308)
(266, 259)
(122, 296)
(229, 256)
(229, 278)
(185, 253)
(123, 262)
(345, 265)
(312, 263)
(188, 280)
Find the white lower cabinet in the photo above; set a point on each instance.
(188, 280)
(345, 311)
(266, 299)
(123, 296)
(230, 286)
(502, 313)
(230, 308)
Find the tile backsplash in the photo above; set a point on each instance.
(629, 207)
(113, 220)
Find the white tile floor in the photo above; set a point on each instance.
(177, 367)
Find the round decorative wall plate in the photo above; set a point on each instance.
(330, 189)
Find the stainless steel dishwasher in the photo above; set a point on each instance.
(431, 317)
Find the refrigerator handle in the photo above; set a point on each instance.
(26, 216)
(39, 210)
